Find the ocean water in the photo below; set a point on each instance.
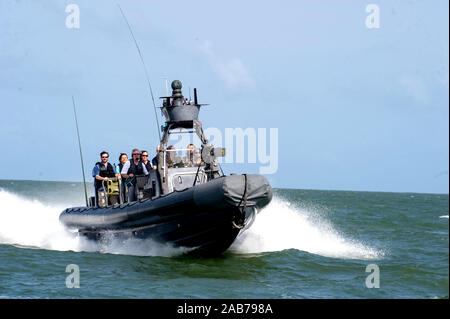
(305, 244)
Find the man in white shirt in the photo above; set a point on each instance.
(133, 168)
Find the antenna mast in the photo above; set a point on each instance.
(81, 153)
(145, 69)
(167, 86)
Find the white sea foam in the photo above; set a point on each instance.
(444, 216)
(30, 223)
(281, 226)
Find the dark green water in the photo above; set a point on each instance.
(305, 244)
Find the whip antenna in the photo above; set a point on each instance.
(145, 68)
(81, 153)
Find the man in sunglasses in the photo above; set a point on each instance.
(102, 171)
(144, 159)
(133, 168)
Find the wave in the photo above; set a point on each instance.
(281, 226)
(444, 216)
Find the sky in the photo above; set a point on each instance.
(353, 107)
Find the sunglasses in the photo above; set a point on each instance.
(105, 156)
(136, 154)
(144, 155)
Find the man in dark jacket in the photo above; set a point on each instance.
(101, 172)
(133, 168)
(155, 159)
(144, 158)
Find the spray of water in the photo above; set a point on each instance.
(29, 223)
(281, 226)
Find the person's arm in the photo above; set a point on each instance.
(145, 169)
(155, 162)
(117, 171)
(101, 178)
(125, 169)
(96, 172)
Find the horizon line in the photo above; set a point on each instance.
(287, 188)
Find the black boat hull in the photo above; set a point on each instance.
(206, 218)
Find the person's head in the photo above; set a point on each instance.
(136, 155)
(157, 148)
(104, 157)
(123, 158)
(144, 156)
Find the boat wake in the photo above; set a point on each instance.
(30, 223)
(281, 226)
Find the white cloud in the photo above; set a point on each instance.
(232, 71)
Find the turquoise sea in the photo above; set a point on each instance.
(305, 244)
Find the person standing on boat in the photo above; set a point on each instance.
(101, 172)
(198, 157)
(189, 159)
(144, 158)
(123, 159)
(155, 159)
(131, 169)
